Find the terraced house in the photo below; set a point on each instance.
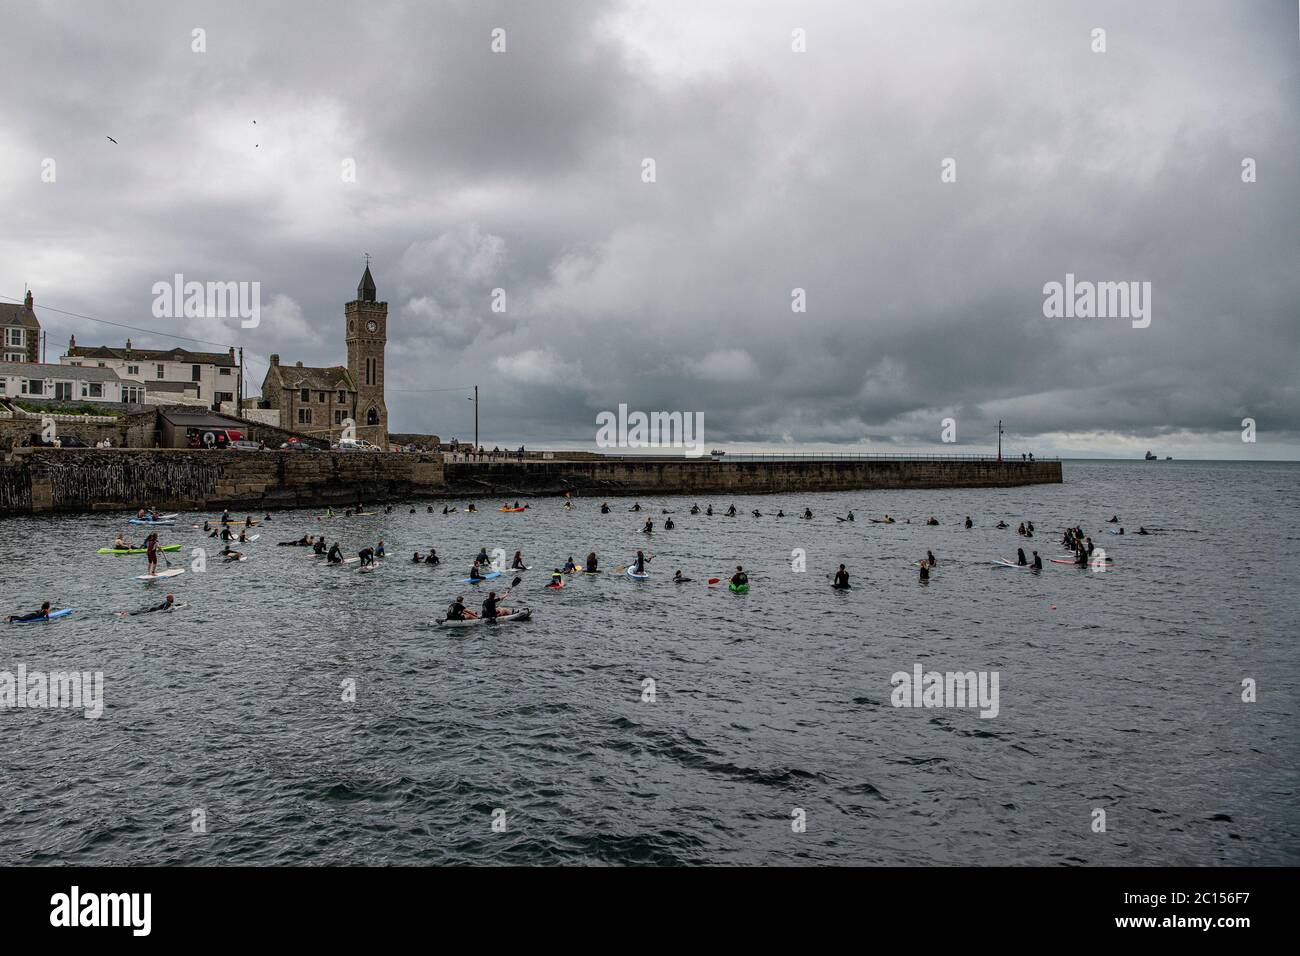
(178, 375)
(20, 332)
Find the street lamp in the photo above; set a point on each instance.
(475, 401)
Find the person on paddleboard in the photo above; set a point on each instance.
(731, 511)
(379, 549)
(367, 556)
(807, 512)
(557, 579)
(740, 577)
(476, 571)
(591, 563)
(230, 554)
(482, 556)
(472, 507)
(319, 546)
(518, 563)
(335, 555)
(243, 535)
(151, 552)
(649, 527)
(164, 606)
(841, 578)
(42, 614)
(1038, 562)
(639, 564)
(1020, 557)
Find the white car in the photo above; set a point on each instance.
(353, 444)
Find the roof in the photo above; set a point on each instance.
(304, 376)
(15, 313)
(366, 287)
(67, 373)
(151, 355)
(173, 386)
(200, 420)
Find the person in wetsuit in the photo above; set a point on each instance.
(518, 563)
(649, 527)
(695, 509)
(335, 555)
(740, 577)
(456, 610)
(709, 511)
(319, 546)
(925, 572)
(604, 508)
(569, 566)
(432, 557)
(482, 557)
(930, 559)
(151, 552)
(841, 578)
(379, 549)
(668, 524)
(164, 606)
(731, 512)
(367, 556)
(1020, 557)
(780, 513)
(476, 571)
(635, 507)
(679, 579)
(591, 563)
(1038, 562)
(807, 512)
(42, 614)
(639, 564)
(490, 607)
(969, 523)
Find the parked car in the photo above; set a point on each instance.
(353, 444)
(294, 444)
(245, 446)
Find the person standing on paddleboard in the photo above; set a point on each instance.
(151, 552)
(639, 564)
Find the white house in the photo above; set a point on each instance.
(45, 380)
(209, 378)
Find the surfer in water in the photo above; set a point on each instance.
(679, 579)
(379, 549)
(591, 563)
(1020, 557)
(695, 509)
(780, 513)
(42, 614)
(164, 606)
(518, 563)
(649, 527)
(476, 571)
(731, 512)
(367, 556)
(807, 512)
(604, 508)
(432, 557)
(482, 556)
(841, 579)
(557, 579)
(930, 558)
(319, 546)
(668, 524)
(709, 511)
(635, 507)
(569, 566)
(969, 524)
(230, 554)
(925, 573)
(1038, 562)
(335, 555)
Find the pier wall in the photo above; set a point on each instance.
(36, 480)
(679, 476)
(41, 480)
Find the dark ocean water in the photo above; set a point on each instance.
(1118, 690)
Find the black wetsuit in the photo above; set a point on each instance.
(335, 555)
(456, 612)
(490, 609)
(841, 579)
(164, 606)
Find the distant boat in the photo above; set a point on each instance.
(716, 453)
(1151, 457)
(1169, 457)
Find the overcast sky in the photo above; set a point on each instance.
(775, 170)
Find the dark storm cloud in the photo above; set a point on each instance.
(521, 171)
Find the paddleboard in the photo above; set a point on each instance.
(555, 587)
(168, 521)
(1002, 563)
(165, 547)
(52, 616)
(487, 577)
(640, 577)
(169, 573)
(842, 587)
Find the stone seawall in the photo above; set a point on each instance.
(35, 480)
(677, 476)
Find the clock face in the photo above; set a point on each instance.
(372, 325)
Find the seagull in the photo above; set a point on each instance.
(111, 140)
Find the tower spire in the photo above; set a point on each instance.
(366, 287)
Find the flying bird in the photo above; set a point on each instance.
(111, 140)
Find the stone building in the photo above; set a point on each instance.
(20, 332)
(324, 401)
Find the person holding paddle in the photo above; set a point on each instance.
(151, 552)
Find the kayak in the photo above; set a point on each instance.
(53, 615)
(161, 521)
(165, 547)
(522, 614)
(511, 510)
(487, 577)
(555, 587)
(738, 588)
(169, 573)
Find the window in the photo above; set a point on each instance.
(130, 369)
(33, 386)
(76, 365)
(339, 415)
(343, 396)
(15, 338)
(101, 364)
(161, 370)
(372, 416)
(196, 372)
(320, 397)
(15, 357)
(304, 416)
(304, 396)
(370, 371)
(131, 393)
(223, 371)
(92, 389)
(63, 391)
(224, 397)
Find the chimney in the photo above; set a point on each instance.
(27, 302)
(275, 358)
(72, 342)
(298, 364)
(232, 353)
(128, 345)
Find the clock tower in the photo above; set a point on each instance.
(367, 334)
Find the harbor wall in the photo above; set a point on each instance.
(42, 480)
(36, 480)
(705, 476)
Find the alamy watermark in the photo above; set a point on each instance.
(651, 430)
(76, 690)
(947, 689)
(1098, 300)
(208, 300)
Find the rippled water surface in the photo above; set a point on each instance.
(1119, 690)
